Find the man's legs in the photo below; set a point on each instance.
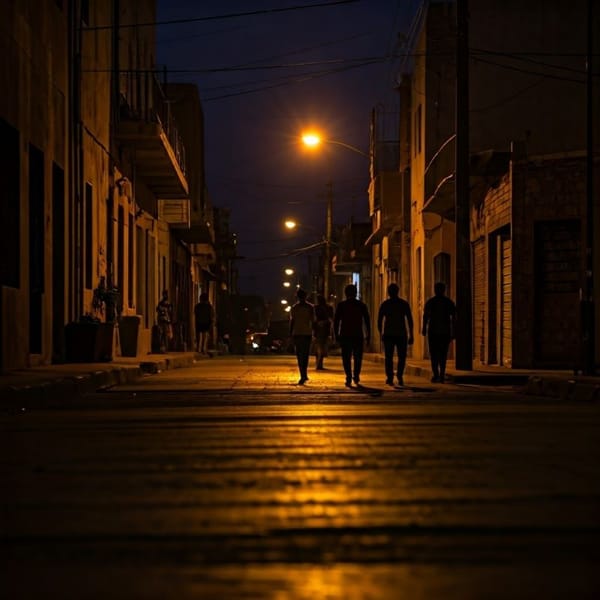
(388, 348)
(402, 347)
(434, 353)
(444, 343)
(204, 341)
(320, 353)
(357, 350)
(346, 348)
(197, 340)
(302, 343)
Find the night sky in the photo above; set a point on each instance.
(260, 94)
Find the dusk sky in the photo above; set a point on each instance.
(258, 95)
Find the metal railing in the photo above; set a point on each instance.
(142, 98)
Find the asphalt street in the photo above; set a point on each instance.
(228, 480)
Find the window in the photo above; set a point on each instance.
(10, 207)
(85, 12)
(418, 130)
(441, 270)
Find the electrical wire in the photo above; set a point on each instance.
(219, 17)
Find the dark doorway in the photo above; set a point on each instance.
(558, 264)
(10, 208)
(58, 263)
(36, 247)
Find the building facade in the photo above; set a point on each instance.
(97, 180)
(526, 116)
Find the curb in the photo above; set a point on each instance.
(67, 391)
(571, 390)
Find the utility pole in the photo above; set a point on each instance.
(328, 234)
(464, 321)
(587, 295)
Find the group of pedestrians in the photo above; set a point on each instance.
(204, 315)
(350, 326)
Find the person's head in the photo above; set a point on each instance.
(393, 290)
(165, 294)
(321, 300)
(439, 288)
(203, 297)
(301, 295)
(350, 291)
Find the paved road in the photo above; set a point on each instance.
(229, 481)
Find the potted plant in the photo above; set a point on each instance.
(90, 339)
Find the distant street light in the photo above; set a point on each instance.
(287, 284)
(289, 271)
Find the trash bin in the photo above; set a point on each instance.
(129, 328)
(80, 341)
(104, 342)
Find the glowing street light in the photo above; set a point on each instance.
(289, 271)
(290, 224)
(284, 302)
(287, 284)
(312, 140)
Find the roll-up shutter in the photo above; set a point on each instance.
(479, 300)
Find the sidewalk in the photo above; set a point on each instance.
(48, 386)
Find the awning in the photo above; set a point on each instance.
(484, 169)
(441, 202)
(206, 272)
(378, 235)
(196, 234)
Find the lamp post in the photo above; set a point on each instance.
(312, 139)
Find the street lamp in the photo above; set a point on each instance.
(312, 140)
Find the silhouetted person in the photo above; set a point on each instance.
(203, 317)
(164, 315)
(302, 317)
(323, 322)
(439, 316)
(352, 328)
(395, 324)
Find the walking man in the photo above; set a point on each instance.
(352, 328)
(393, 320)
(302, 318)
(439, 317)
(203, 316)
(323, 322)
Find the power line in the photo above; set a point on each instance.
(216, 17)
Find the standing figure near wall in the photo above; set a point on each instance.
(164, 316)
(203, 316)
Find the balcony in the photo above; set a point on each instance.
(146, 127)
(175, 212)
